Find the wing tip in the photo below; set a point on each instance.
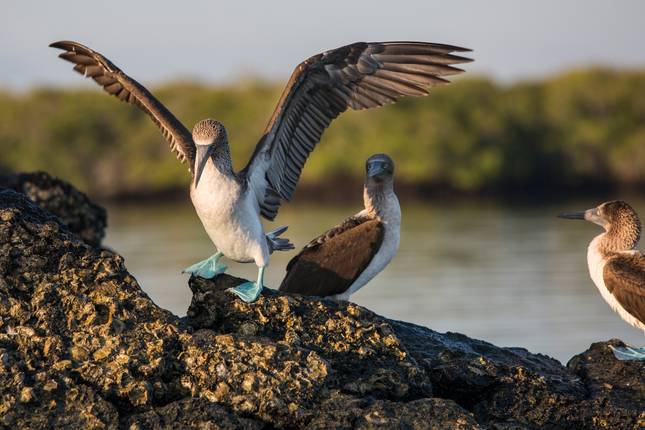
(453, 48)
(440, 81)
(65, 44)
(462, 49)
(452, 71)
(427, 44)
(457, 59)
(70, 46)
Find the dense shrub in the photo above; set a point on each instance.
(573, 130)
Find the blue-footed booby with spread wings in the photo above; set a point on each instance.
(617, 269)
(230, 204)
(339, 262)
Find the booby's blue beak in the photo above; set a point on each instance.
(376, 168)
(202, 156)
(572, 215)
(592, 215)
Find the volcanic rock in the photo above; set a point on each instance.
(82, 346)
(75, 210)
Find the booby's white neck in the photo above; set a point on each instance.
(389, 211)
(216, 179)
(220, 157)
(381, 202)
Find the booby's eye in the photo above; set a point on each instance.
(386, 167)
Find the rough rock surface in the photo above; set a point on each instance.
(615, 389)
(81, 346)
(72, 207)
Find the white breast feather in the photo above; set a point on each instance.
(230, 217)
(596, 263)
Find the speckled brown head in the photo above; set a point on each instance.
(208, 135)
(209, 132)
(619, 220)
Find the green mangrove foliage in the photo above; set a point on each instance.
(575, 130)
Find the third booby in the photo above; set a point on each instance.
(340, 261)
(230, 204)
(617, 269)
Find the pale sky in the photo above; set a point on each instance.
(215, 42)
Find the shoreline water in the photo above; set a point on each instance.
(515, 275)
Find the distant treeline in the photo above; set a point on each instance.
(577, 130)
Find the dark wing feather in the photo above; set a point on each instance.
(624, 277)
(358, 76)
(347, 224)
(94, 65)
(329, 264)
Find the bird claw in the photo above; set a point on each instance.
(248, 291)
(628, 353)
(208, 268)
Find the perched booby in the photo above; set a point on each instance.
(340, 261)
(617, 269)
(229, 204)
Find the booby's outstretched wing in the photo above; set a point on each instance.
(330, 263)
(624, 277)
(359, 76)
(94, 65)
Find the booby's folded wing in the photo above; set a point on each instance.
(94, 65)
(329, 264)
(359, 76)
(624, 277)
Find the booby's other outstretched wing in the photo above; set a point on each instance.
(330, 264)
(359, 76)
(94, 65)
(624, 277)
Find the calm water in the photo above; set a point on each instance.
(515, 276)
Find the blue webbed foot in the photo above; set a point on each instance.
(248, 291)
(628, 353)
(208, 268)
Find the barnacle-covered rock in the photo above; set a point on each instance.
(82, 346)
(377, 361)
(79, 214)
(191, 413)
(72, 316)
(362, 348)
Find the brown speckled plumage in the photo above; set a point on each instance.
(209, 130)
(624, 277)
(622, 224)
(624, 271)
(615, 266)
